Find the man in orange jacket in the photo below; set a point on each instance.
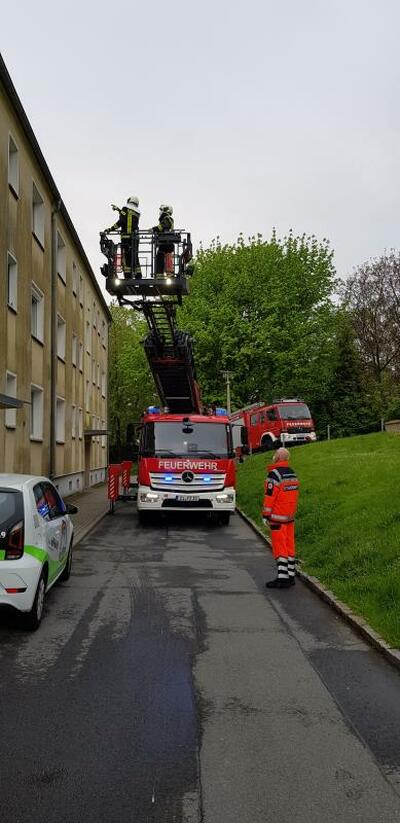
(279, 508)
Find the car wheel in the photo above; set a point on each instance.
(34, 617)
(66, 573)
(224, 518)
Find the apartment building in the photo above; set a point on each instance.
(53, 321)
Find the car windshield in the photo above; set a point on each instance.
(294, 411)
(182, 439)
(11, 508)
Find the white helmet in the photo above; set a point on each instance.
(164, 209)
(132, 203)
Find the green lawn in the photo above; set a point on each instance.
(348, 522)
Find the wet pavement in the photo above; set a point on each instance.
(166, 685)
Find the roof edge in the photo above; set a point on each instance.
(11, 92)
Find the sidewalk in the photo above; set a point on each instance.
(92, 505)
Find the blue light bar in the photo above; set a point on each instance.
(206, 478)
(153, 410)
(220, 412)
(168, 478)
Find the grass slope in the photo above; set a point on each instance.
(348, 522)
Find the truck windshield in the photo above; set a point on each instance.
(181, 439)
(294, 411)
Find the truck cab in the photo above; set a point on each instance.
(286, 421)
(186, 463)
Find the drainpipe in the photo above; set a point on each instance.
(53, 338)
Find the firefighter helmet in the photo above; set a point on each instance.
(133, 204)
(164, 209)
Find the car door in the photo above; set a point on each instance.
(57, 529)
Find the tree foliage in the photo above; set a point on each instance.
(263, 310)
(131, 387)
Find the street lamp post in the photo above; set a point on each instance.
(227, 375)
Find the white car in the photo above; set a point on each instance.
(35, 542)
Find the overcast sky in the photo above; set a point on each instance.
(244, 115)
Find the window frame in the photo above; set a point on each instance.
(13, 183)
(63, 325)
(10, 304)
(33, 434)
(38, 295)
(60, 435)
(11, 413)
(36, 222)
(61, 256)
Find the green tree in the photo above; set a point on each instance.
(130, 385)
(264, 311)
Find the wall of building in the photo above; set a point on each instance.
(81, 338)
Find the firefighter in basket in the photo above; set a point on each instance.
(128, 224)
(164, 246)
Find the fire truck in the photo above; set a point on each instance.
(186, 457)
(287, 421)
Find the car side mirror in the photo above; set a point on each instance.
(71, 509)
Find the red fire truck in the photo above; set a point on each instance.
(186, 457)
(186, 463)
(286, 421)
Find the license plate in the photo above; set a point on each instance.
(187, 498)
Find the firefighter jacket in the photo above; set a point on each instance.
(127, 222)
(166, 223)
(281, 493)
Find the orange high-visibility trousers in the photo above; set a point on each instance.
(282, 538)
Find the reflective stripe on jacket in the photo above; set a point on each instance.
(127, 222)
(281, 493)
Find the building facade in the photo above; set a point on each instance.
(53, 321)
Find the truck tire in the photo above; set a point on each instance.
(145, 518)
(267, 444)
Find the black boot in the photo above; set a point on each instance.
(278, 583)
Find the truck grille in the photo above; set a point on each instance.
(200, 482)
(299, 430)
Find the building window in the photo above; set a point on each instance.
(37, 215)
(87, 396)
(74, 279)
(98, 375)
(37, 313)
(81, 289)
(61, 258)
(73, 422)
(103, 439)
(94, 372)
(94, 316)
(80, 423)
(61, 326)
(60, 420)
(36, 413)
(80, 356)
(103, 333)
(88, 337)
(74, 352)
(12, 278)
(11, 390)
(13, 165)
(103, 384)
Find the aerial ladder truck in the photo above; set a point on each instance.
(186, 457)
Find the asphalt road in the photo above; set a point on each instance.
(166, 685)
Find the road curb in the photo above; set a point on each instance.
(84, 531)
(358, 623)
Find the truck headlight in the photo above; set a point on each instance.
(147, 497)
(225, 498)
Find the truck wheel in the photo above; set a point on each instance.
(34, 618)
(145, 518)
(224, 518)
(267, 444)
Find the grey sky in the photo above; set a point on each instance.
(243, 116)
